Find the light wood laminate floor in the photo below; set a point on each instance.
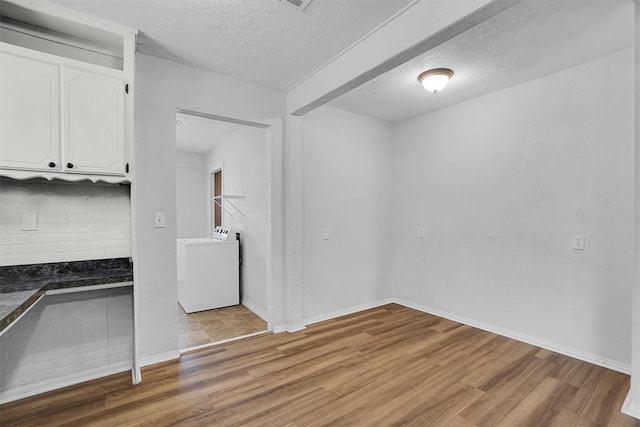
(385, 366)
(205, 327)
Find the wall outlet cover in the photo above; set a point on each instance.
(578, 242)
(29, 221)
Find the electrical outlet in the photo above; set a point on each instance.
(421, 232)
(325, 234)
(578, 242)
(159, 220)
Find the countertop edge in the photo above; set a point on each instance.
(7, 320)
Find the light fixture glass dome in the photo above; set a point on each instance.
(435, 80)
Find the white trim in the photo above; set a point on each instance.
(346, 311)
(278, 329)
(88, 288)
(26, 175)
(225, 341)
(557, 348)
(29, 30)
(21, 316)
(295, 327)
(288, 328)
(57, 383)
(328, 316)
(255, 308)
(218, 118)
(67, 14)
(629, 409)
(62, 61)
(159, 358)
(210, 200)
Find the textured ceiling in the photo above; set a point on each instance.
(528, 41)
(270, 42)
(200, 135)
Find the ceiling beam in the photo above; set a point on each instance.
(416, 30)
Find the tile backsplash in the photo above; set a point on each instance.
(75, 221)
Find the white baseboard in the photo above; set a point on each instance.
(278, 329)
(159, 358)
(557, 348)
(256, 309)
(57, 383)
(629, 409)
(295, 327)
(327, 316)
(345, 311)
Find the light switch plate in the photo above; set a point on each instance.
(421, 232)
(325, 234)
(159, 220)
(29, 221)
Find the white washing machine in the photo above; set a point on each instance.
(208, 274)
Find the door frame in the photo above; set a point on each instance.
(275, 242)
(217, 168)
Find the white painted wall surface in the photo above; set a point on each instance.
(632, 406)
(191, 195)
(347, 183)
(501, 183)
(75, 221)
(67, 338)
(164, 86)
(245, 155)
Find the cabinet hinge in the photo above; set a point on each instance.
(126, 88)
(126, 168)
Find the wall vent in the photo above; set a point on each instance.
(302, 4)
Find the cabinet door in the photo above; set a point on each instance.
(29, 114)
(93, 129)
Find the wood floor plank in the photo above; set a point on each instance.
(386, 366)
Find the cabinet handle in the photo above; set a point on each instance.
(70, 165)
(52, 164)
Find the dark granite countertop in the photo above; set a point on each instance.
(22, 285)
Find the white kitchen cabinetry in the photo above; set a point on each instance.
(93, 131)
(59, 121)
(29, 114)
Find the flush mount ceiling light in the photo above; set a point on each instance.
(435, 80)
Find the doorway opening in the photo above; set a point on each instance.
(223, 213)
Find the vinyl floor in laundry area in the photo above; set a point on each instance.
(209, 326)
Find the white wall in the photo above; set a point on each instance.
(66, 338)
(76, 221)
(501, 183)
(191, 195)
(633, 402)
(347, 183)
(245, 157)
(162, 87)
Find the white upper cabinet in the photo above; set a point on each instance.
(58, 121)
(29, 114)
(93, 130)
(64, 112)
